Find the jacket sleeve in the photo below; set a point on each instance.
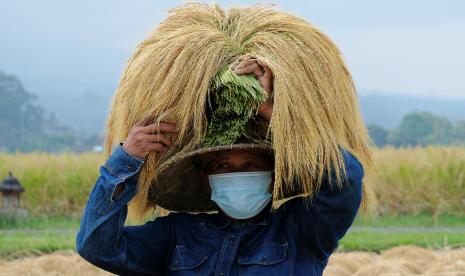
(324, 219)
(103, 240)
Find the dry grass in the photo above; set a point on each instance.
(170, 76)
(404, 260)
(59, 263)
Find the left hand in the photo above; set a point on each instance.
(264, 75)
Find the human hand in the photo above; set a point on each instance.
(145, 137)
(264, 75)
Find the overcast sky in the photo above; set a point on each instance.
(58, 46)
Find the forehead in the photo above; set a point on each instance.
(258, 155)
(243, 153)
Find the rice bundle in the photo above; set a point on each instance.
(447, 262)
(172, 73)
(402, 260)
(58, 263)
(351, 262)
(235, 98)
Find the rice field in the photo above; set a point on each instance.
(410, 181)
(420, 180)
(56, 184)
(417, 188)
(403, 260)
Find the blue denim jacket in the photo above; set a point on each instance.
(295, 239)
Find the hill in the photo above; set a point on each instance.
(88, 111)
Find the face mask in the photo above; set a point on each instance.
(241, 195)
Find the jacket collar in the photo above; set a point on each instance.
(221, 220)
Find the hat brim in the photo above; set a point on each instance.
(181, 187)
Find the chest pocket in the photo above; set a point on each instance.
(269, 259)
(186, 262)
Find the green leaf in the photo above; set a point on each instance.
(235, 100)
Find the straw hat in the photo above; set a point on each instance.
(180, 188)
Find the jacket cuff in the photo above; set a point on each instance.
(121, 163)
(141, 160)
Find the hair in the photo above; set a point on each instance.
(315, 109)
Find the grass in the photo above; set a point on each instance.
(379, 233)
(37, 235)
(377, 241)
(43, 241)
(40, 223)
(419, 220)
(48, 234)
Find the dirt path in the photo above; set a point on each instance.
(433, 229)
(404, 260)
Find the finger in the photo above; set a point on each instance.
(160, 127)
(145, 120)
(249, 62)
(157, 138)
(156, 147)
(265, 67)
(237, 65)
(254, 68)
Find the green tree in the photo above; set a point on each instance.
(378, 134)
(421, 129)
(458, 133)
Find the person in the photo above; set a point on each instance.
(247, 236)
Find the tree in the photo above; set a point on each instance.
(458, 133)
(378, 134)
(420, 129)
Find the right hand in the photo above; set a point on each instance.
(263, 74)
(144, 138)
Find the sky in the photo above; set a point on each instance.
(59, 47)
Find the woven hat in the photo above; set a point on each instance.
(180, 188)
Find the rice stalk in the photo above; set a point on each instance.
(315, 103)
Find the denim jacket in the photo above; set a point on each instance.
(295, 239)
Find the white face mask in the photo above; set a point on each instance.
(241, 195)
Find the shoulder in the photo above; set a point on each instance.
(353, 166)
(292, 206)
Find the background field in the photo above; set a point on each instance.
(410, 181)
(420, 191)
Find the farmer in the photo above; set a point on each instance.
(247, 236)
